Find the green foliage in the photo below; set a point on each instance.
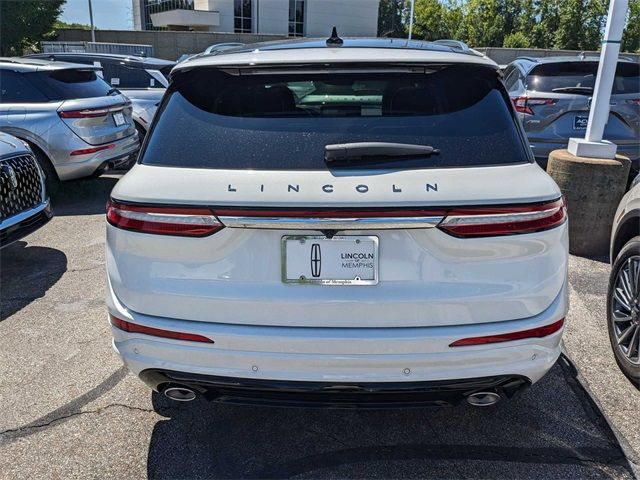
(431, 20)
(516, 40)
(631, 37)
(24, 23)
(580, 25)
(556, 24)
(390, 19)
(60, 24)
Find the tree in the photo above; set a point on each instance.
(516, 40)
(431, 20)
(580, 25)
(23, 24)
(483, 24)
(58, 24)
(390, 13)
(631, 37)
(547, 14)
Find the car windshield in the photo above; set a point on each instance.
(284, 120)
(579, 76)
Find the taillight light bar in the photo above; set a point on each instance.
(523, 104)
(510, 220)
(85, 113)
(156, 332)
(157, 219)
(459, 222)
(538, 332)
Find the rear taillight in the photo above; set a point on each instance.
(524, 104)
(156, 332)
(84, 113)
(633, 101)
(181, 221)
(85, 151)
(538, 332)
(509, 220)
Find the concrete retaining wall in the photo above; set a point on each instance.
(507, 55)
(170, 45)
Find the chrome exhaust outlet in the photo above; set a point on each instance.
(483, 399)
(179, 393)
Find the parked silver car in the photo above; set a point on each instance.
(552, 96)
(24, 203)
(142, 79)
(76, 124)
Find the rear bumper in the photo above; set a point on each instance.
(334, 394)
(354, 356)
(15, 228)
(69, 168)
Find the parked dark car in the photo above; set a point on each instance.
(142, 79)
(24, 203)
(552, 96)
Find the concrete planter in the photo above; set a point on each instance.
(593, 188)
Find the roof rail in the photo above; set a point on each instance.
(526, 57)
(453, 44)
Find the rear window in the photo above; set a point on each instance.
(222, 120)
(550, 77)
(69, 84)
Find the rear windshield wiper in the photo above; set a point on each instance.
(344, 152)
(582, 90)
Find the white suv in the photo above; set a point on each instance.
(339, 222)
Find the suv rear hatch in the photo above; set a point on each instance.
(235, 187)
(559, 96)
(89, 106)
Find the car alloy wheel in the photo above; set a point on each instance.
(625, 310)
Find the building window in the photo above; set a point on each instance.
(156, 6)
(296, 18)
(242, 16)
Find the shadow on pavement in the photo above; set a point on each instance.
(553, 431)
(26, 273)
(87, 196)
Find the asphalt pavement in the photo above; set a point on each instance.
(70, 409)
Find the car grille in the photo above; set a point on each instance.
(20, 185)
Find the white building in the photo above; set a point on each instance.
(296, 18)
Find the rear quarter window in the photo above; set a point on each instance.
(69, 84)
(15, 88)
(269, 120)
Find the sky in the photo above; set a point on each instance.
(107, 14)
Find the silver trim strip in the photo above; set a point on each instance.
(299, 223)
(22, 216)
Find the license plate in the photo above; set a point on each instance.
(118, 118)
(340, 260)
(580, 122)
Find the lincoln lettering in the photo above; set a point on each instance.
(329, 188)
(356, 256)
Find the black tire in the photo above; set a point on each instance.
(629, 364)
(51, 179)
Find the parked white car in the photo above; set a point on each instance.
(623, 300)
(340, 222)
